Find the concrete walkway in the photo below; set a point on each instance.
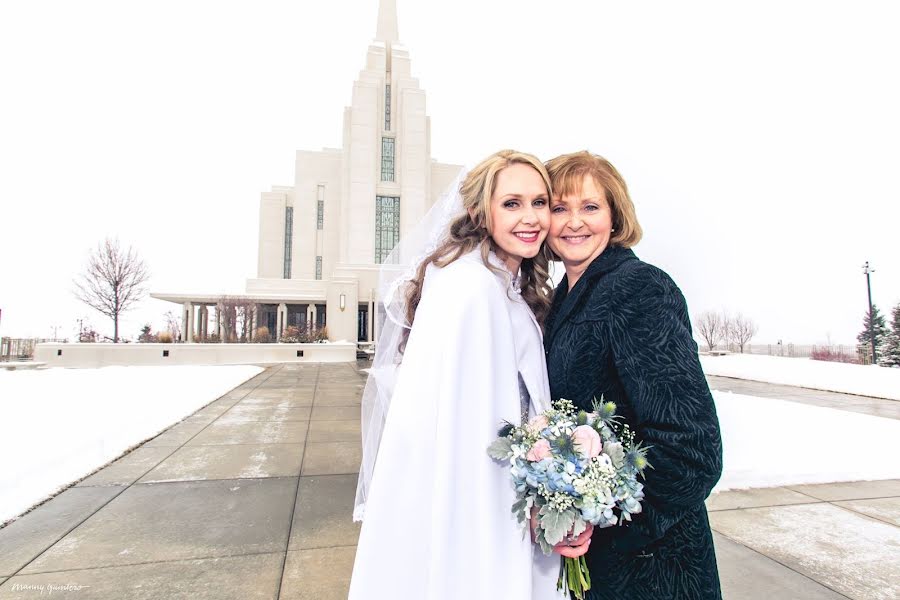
(879, 407)
(251, 497)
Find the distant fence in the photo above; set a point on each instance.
(20, 348)
(861, 354)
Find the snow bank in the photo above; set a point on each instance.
(880, 382)
(769, 443)
(61, 424)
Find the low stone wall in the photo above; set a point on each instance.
(102, 355)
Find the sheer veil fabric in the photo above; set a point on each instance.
(392, 324)
(437, 523)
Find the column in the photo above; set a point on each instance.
(372, 318)
(254, 322)
(187, 325)
(282, 319)
(220, 325)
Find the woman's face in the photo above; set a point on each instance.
(580, 225)
(520, 214)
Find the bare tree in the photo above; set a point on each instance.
(711, 327)
(741, 330)
(113, 281)
(173, 323)
(235, 314)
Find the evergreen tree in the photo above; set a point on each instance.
(891, 350)
(146, 335)
(895, 320)
(876, 319)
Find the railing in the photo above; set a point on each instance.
(19, 349)
(859, 353)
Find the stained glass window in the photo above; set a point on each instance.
(320, 207)
(387, 159)
(288, 239)
(387, 107)
(387, 226)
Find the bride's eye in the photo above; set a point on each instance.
(511, 204)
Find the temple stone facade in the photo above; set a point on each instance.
(322, 238)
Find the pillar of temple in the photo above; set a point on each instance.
(220, 324)
(282, 319)
(187, 323)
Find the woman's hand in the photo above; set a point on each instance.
(570, 549)
(577, 546)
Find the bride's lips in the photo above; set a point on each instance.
(529, 237)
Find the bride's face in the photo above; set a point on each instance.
(520, 214)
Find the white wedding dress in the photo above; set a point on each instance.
(437, 522)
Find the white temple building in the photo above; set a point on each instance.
(322, 238)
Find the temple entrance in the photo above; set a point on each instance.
(362, 323)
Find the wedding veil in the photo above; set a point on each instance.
(397, 270)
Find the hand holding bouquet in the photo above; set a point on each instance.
(575, 468)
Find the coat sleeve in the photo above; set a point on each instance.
(656, 359)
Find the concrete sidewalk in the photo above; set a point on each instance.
(251, 497)
(877, 407)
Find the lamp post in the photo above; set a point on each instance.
(868, 271)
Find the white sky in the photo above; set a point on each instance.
(760, 140)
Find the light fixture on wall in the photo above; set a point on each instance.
(343, 301)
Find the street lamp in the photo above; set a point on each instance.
(867, 270)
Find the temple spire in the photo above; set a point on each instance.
(387, 22)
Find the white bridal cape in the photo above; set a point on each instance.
(437, 520)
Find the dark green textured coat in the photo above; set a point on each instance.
(623, 333)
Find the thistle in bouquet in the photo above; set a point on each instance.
(572, 468)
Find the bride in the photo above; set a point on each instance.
(460, 353)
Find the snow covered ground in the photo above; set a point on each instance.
(770, 443)
(880, 382)
(58, 425)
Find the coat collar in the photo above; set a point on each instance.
(565, 301)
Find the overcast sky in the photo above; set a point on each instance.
(760, 140)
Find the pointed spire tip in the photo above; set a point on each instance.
(387, 22)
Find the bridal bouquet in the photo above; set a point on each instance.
(574, 467)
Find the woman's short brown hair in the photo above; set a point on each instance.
(566, 176)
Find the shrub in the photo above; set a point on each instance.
(164, 337)
(262, 335)
(291, 335)
(827, 354)
(306, 334)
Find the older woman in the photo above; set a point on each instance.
(619, 328)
